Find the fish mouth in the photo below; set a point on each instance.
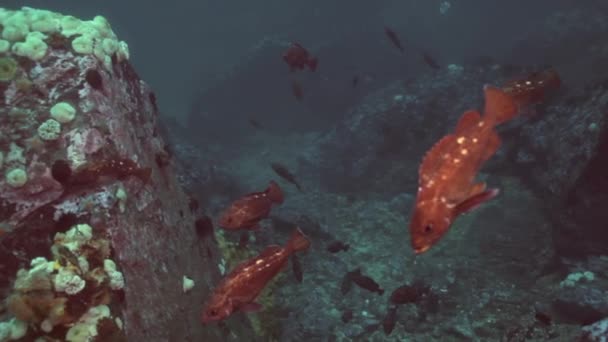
(421, 250)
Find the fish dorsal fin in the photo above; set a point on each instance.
(270, 250)
(433, 157)
(468, 119)
(499, 106)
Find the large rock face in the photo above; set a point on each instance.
(80, 145)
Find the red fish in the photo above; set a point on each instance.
(533, 88)
(239, 289)
(248, 211)
(392, 36)
(446, 184)
(297, 57)
(296, 90)
(430, 61)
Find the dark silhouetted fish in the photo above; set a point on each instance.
(390, 320)
(430, 61)
(296, 266)
(392, 36)
(355, 81)
(409, 293)
(364, 281)
(346, 284)
(284, 173)
(337, 246)
(255, 123)
(296, 90)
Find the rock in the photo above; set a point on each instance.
(111, 146)
(596, 332)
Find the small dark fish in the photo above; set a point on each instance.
(255, 124)
(392, 36)
(347, 283)
(296, 90)
(243, 240)
(430, 61)
(284, 173)
(337, 246)
(409, 293)
(355, 81)
(389, 321)
(347, 315)
(543, 318)
(296, 266)
(365, 282)
(204, 227)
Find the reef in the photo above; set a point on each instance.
(96, 234)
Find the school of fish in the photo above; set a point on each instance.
(447, 188)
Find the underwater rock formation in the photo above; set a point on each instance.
(94, 224)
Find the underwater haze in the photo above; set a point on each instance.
(304, 171)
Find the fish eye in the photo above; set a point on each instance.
(428, 228)
(213, 312)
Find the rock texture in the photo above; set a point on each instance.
(107, 167)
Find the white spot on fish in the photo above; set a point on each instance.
(464, 152)
(460, 140)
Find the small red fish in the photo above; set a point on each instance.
(392, 36)
(297, 57)
(430, 61)
(246, 212)
(446, 184)
(239, 289)
(533, 88)
(296, 90)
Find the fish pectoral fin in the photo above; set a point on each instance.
(251, 307)
(475, 201)
(477, 189)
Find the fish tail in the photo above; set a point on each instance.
(275, 193)
(298, 241)
(499, 107)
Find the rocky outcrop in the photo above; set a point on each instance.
(81, 149)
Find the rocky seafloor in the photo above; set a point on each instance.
(527, 266)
